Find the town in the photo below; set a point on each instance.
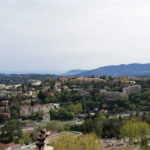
(100, 105)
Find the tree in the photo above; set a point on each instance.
(134, 131)
(144, 143)
(47, 100)
(99, 129)
(34, 136)
(2, 118)
(55, 126)
(26, 139)
(32, 103)
(69, 142)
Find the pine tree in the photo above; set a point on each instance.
(34, 136)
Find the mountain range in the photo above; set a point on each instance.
(76, 71)
(134, 69)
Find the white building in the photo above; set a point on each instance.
(35, 82)
(29, 93)
(46, 116)
(28, 110)
(2, 86)
(25, 110)
(36, 109)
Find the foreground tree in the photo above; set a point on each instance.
(135, 131)
(70, 142)
(26, 139)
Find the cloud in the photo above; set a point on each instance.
(69, 34)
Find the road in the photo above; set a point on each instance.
(30, 126)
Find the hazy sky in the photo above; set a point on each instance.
(37, 35)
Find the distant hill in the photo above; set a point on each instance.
(2, 75)
(120, 70)
(77, 71)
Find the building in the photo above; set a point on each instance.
(103, 111)
(4, 146)
(35, 82)
(2, 86)
(29, 93)
(63, 80)
(28, 110)
(25, 110)
(46, 116)
(4, 108)
(57, 86)
(113, 96)
(90, 87)
(15, 147)
(17, 92)
(81, 91)
(37, 108)
(47, 87)
(49, 93)
(65, 87)
(128, 90)
(4, 93)
(114, 144)
(89, 80)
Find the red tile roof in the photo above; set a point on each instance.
(23, 107)
(3, 146)
(36, 106)
(30, 131)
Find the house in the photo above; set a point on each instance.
(35, 82)
(58, 90)
(25, 110)
(29, 93)
(46, 116)
(90, 87)
(83, 92)
(104, 105)
(65, 87)
(28, 110)
(4, 146)
(56, 105)
(47, 87)
(103, 111)
(106, 88)
(95, 109)
(63, 79)
(4, 108)
(34, 97)
(2, 86)
(4, 93)
(49, 106)
(49, 93)
(17, 92)
(37, 108)
(57, 86)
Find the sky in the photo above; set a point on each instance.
(61, 35)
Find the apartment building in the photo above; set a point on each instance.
(28, 110)
(89, 80)
(128, 90)
(113, 96)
